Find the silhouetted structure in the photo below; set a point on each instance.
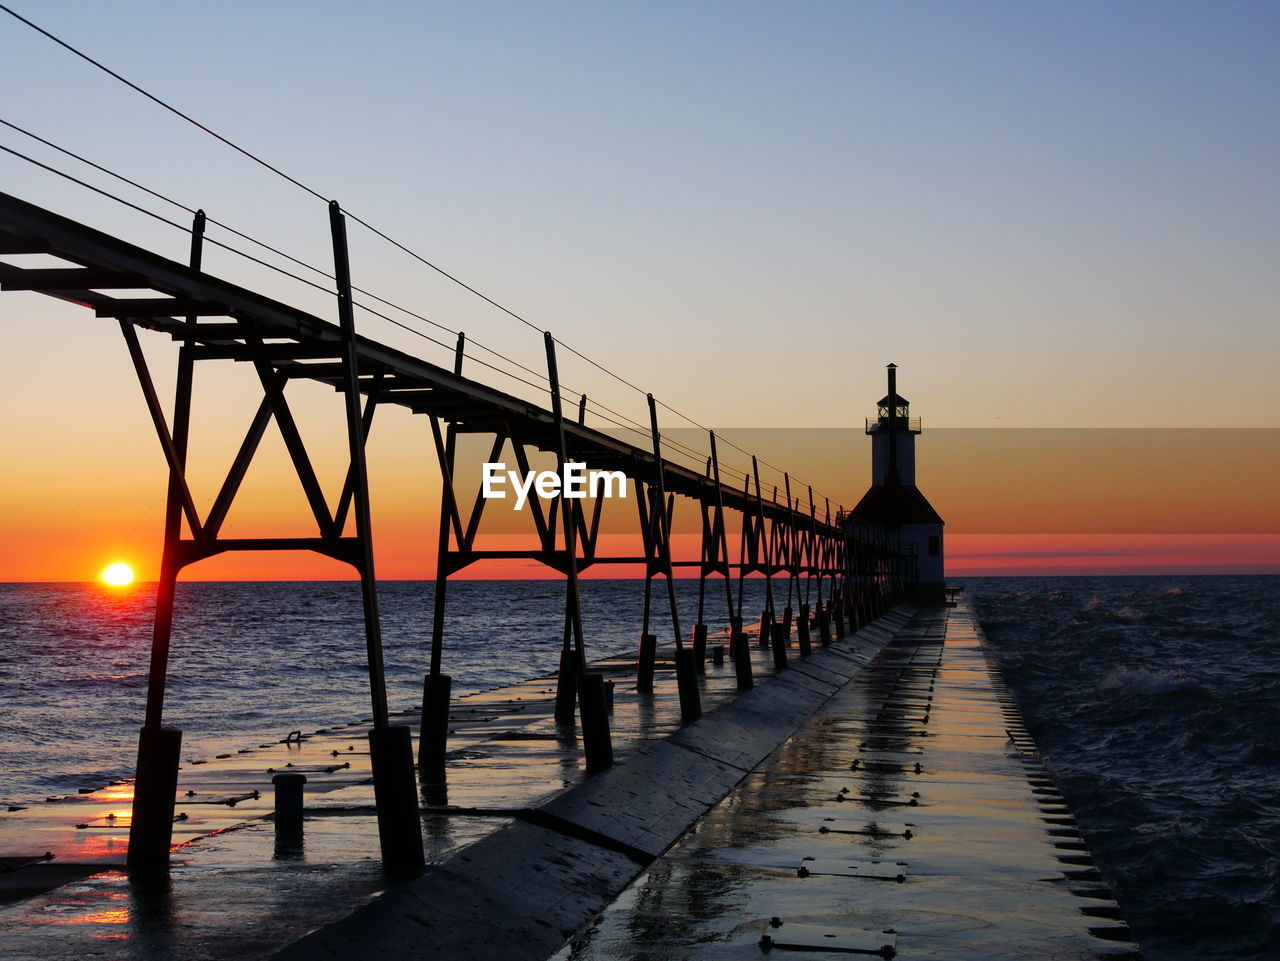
(850, 564)
(895, 504)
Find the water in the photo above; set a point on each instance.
(252, 662)
(1155, 700)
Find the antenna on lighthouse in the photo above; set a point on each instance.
(891, 475)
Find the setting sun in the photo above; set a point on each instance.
(117, 575)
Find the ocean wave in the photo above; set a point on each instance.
(1159, 717)
(1145, 681)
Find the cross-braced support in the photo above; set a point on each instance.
(151, 828)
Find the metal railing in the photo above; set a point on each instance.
(912, 424)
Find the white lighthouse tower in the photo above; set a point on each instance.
(896, 504)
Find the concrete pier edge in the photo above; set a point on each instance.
(522, 892)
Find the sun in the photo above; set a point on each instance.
(118, 574)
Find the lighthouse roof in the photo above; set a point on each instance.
(891, 505)
(893, 400)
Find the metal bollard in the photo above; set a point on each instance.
(717, 655)
(786, 623)
(644, 665)
(608, 695)
(433, 737)
(289, 791)
(839, 618)
(597, 745)
(779, 648)
(687, 683)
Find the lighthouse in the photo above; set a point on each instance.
(895, 504)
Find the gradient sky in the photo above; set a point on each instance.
(1048, 215)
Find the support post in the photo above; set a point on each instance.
(779, 649)
(593, 704)
(154, 792)
(766, 627)
(687, 683)
(395, 795)
(740, 651)
(156, 782)
(390, 746)
(700, 648)
(645, 663)
(686, 671)
(802, 631)
(433, 738)
(824, 627)
(722, 549)
(574, 659)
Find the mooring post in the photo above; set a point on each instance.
(839, 619)
(289, 805)
(766, 627)
(786, 623)
(802, 631)
(156, 778)
(395, 787)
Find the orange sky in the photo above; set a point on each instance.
(87, 485)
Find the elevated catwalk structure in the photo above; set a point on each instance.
(848, 563)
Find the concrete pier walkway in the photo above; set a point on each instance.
(878, 797)
(910, 817)
(240, 888)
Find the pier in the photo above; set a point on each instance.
(909, 817)
(878, 796)
(845, 775)
(847, 568)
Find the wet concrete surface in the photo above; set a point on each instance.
(238, 888)
(909, 818)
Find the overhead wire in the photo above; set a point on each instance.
(254, 240)
(316, 194)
